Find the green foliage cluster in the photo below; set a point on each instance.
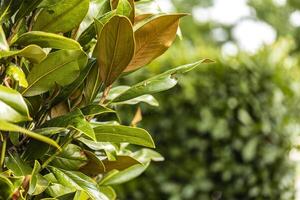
(60, 134)
(225, 132)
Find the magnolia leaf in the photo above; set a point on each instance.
(17, 74)
(153, 38)
(33, 53)
(116, 177)
(90, 33)
(157, 83)
(38, 183)
(94, 166)
(3, 43)
(115, 48)
(61, 67)
(73, 120)
(121, 134)
(48, 40)
(7, 187)
(121, 163)
(92, 85)
(125, 7)
(6, 126)
(97, 8)
(17, 165)
(94, 110)
(109, 192)
(79, 181)
(68, 90)
(62, 16)
(12, 106)
(70, 158)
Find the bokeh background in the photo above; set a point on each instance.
(229, 130)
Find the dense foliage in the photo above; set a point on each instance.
(61, 137)
(225, 132)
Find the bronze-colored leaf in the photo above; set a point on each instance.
(153, 38)
(115, 48)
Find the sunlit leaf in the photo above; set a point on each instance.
(33, 53)
(17, 74)
(48, 40)
(153, 38)
(62, 16)
(115, 48)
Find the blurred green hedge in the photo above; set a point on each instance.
(225, 134)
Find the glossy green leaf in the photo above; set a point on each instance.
(17, 165)
(17, 74)
(78, 181)
(115, 48)
(92, 85)
(81, 195)
(33, 53)
(3, 43)
(38, 183)
(146, 155)
(153, 38)
(68, 90)
(94, 109)
(7, 188)
(61, 67)
(120, 134)
(62, 16)
(75, 120)
(116, 177)
(124, 8)
(71, 158)
(50, 130)
(157, 83)
(103, 16)
(6, 126)
(97, 8)
(12, 106)
(48, 40)
(109, 192)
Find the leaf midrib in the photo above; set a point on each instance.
(46, 74)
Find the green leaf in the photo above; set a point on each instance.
(61, 67)
(33, 53)
(38, 183)
(103, 16)
(62, 16)
(120, 134)
(157, 83)
(17, 165)
(26, 7)
(12, 106)
(109, 192)
(75, 120)
(48, 40)
(6, 126)
(124, 8)
(97, 8)
(7, 187)
(3, 43)
(92, 85)
(94, 110)
(79, 181)
(71, 158)
(116, 177)
(146, 155)
(17, 74)
(115, 48)
(68, 90)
